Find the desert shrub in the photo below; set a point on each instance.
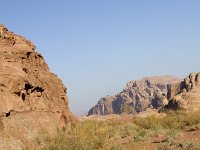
(134, 132)
(63, 142)
(192, 118)
(108, 111)
(116, 147)
(164, 146)
(139, 135)
(150, 122)
(173, 120)
(87, 135)
(104, 135)
(125, 108)
(189, 145)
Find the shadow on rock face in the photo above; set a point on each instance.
(188, 97)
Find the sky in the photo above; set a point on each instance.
(97, 46)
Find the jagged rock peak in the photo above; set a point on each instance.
(15, 40)
(137, 96)
(186, 95)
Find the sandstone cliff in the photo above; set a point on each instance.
(186, 94)
(31, 97)
(150, 92)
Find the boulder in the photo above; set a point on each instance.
(175, 89)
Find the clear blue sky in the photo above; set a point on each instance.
(96, 46)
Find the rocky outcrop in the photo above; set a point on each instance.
(175, 89)
(32, 99)
(150, 92)
(187, 94)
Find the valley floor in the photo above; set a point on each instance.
(174, 130)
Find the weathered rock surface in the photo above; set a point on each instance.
(150, 92)
(186, 94)
(32, 99)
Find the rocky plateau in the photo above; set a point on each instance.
(138, 96)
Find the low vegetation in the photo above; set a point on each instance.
(154, 132)
(125, 108)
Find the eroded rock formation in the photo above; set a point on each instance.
(31, 97)
(187, 94)
(150, 92)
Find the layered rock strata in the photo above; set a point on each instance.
(32, 99)
(137, 96)
(186, 94)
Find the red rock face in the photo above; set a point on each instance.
(31, 97)
(188, 95)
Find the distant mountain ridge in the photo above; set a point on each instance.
(137, 96)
